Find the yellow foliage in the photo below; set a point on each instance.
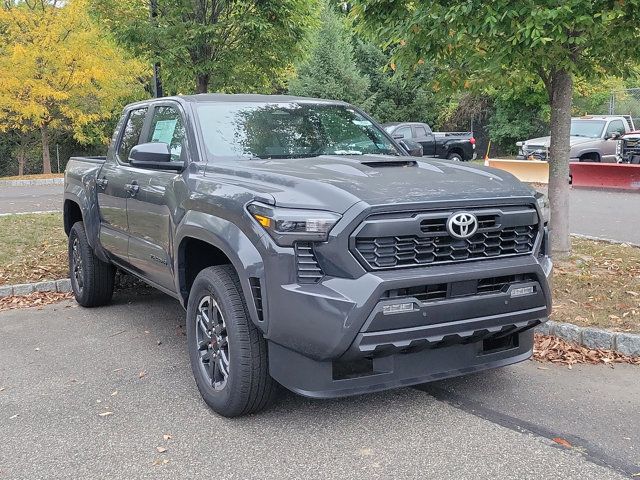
(59, 70)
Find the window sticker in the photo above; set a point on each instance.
(163, 132)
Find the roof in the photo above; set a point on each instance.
(598, 117)
(243, 98)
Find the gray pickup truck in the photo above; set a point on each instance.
(308, 248)
(594, 138)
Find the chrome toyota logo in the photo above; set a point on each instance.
(462, 225)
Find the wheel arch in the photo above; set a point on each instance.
(203, 241)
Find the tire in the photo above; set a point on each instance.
(456, 157)
(238, 383)
(92, 279)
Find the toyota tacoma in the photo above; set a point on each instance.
(309, 249)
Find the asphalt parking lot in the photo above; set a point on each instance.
(63, 366)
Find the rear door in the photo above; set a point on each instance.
(110, 183)
(152, 207)
(424, 136)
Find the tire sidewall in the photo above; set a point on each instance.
(82, 244)
(219, 400)
(455, 157)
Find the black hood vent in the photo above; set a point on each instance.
(391, 163)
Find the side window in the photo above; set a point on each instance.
(167, 127)
(405, 132)
(616, 126)
(131, 134)
(420, 131)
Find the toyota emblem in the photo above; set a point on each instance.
(462, 225)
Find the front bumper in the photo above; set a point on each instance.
(334, 339)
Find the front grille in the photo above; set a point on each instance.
(500, 233)
(307, 268)
(443, 291)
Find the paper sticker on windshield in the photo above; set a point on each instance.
(163, 132)
(362, 123)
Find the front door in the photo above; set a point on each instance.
(110, 184)
(152, 207)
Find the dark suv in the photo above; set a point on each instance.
(307, 247)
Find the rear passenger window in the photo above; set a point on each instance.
(420, 132)
(167, 127)
(131, 134)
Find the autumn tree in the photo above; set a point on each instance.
(557, 42)
(214, 45)
(58, 70)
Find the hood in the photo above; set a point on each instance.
(546, 141)
(337, 182)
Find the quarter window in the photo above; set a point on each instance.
(167, 127)
(131, 134)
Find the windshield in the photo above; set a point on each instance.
(587, 128)
(288, 130)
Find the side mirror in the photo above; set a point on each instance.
(154, 156)
(412, 148)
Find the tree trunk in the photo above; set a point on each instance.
(202, 85)
(46, 157)
(560, 93)
(21, 162)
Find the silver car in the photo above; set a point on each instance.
(593, 139)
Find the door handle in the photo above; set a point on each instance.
(102, 182)
(132, 188)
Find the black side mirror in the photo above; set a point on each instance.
(154, 156)
(412, 148)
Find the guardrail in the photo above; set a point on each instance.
(532, 171)
(619, 176)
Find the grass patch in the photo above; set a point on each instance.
(33, 177)
(33, 247)
(599, 286)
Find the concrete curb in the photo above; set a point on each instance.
(29, 183)
(63, 285)
(596, 338)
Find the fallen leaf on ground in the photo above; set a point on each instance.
(114, 393)
(105, 414)
(562, 441)
(14, 416)
(160, 462)
(161, 449)
(142, 374)
(167, 436)
(36, 299)
(557, 350)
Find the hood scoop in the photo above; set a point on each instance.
(390, 163)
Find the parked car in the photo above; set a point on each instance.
(594, 138)
(459, 146)
(307, 247)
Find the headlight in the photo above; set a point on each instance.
(287, 225)
(543, 205)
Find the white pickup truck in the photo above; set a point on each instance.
(594, 138)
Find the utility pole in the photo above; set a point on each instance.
(157, 81)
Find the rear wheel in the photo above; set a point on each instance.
(227, 352)
(456, 157)
(91, 279)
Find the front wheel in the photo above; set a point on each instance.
(227, 352)
(456, 157)
(92, 279)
